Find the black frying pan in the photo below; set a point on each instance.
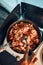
(26, 21)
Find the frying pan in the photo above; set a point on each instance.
(25, 21)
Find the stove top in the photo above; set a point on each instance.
(27, 11)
